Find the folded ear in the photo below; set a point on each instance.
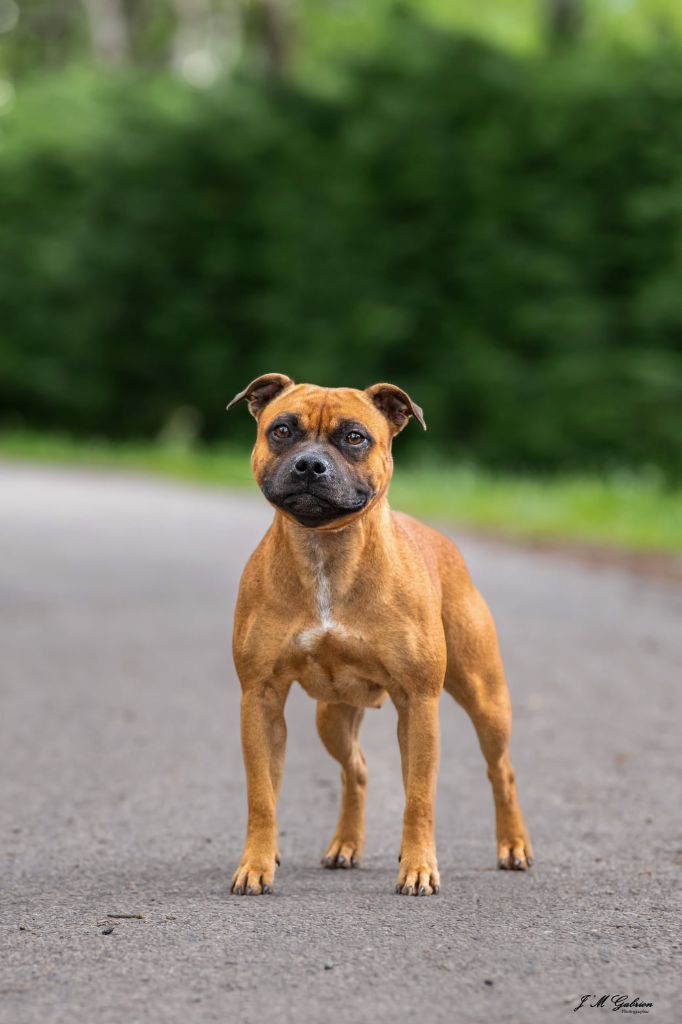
(261, 391)
(396, 405)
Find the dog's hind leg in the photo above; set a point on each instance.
(475, 678)
(338, 726)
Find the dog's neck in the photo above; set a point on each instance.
(329, 561)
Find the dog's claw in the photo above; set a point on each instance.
(514, 854)
(421, 879)
(254, 876)
(342, 854)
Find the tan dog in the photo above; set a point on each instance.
(357, 602)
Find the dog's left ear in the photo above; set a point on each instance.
(261, 391)
(396, 405)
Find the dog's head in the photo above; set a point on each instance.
(323, 455)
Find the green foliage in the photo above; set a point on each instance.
(501, 236)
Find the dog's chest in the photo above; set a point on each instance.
(332, 656)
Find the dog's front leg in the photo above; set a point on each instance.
(418, 735)
(263, 733)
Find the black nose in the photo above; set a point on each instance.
(310, 465)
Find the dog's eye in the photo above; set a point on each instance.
(281, 430)
(355, 437)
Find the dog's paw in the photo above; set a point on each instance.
(255, 876)
(418, 876)
(342, 853)
(515, 854)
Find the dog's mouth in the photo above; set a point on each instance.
(312, 509)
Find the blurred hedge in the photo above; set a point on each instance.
(501, 236)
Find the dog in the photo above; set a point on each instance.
(356, 603)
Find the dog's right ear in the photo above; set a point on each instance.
(261, 391)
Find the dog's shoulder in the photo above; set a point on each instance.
(440, 553)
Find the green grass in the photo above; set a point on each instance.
(220, 465)
(635, 511)
(622, 510)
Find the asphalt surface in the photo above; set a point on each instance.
(122, 790)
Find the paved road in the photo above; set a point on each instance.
(122, 790)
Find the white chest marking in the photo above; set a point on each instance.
(323, 606)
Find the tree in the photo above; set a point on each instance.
(564, 21)
(109, 31)
(275, 34)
